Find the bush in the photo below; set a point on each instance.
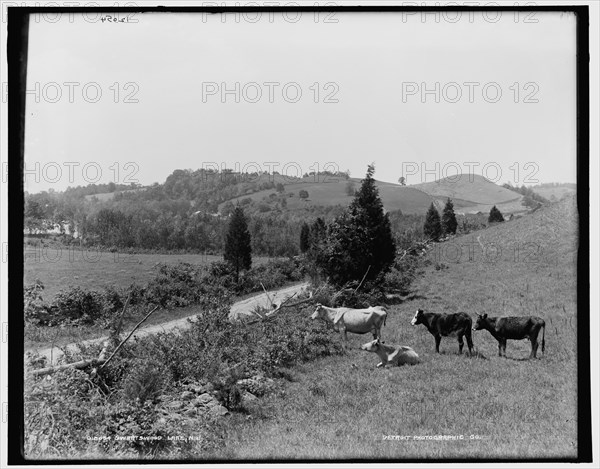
(36, 311)
(495, 216)
(77, 306)
(176, 285)
(145, 382)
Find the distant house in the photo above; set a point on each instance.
(214, 215)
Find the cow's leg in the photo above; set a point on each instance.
(534, 344)
(461, 344)
(344, 339)
(469, 341)
(534, 347)
(438, 339)
(504, 347)
(500, 348)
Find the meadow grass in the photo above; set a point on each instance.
(343, 407)
(60, 268)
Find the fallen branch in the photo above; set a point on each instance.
(127, 338)
(79, 365)
(266, 293)
(284, 304)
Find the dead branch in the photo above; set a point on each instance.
(363, 279)
(127, 338)
(266, 293)
(284, 304)
(79, 365)
(119, 324)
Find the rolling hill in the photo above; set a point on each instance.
(332, 191)
(557, 192)
(472, 193)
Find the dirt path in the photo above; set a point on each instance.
(238, 309)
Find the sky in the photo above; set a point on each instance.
(422, 97)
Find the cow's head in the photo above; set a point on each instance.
(372, 346)
(481, 322)
(319, 312)
(418, 319)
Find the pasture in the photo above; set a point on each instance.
(328, 191)
(62, 267)
(343, 407)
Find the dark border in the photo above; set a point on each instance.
(17, 40)
(17, 61)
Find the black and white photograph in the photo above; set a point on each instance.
(299, 232)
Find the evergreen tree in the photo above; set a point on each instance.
(238, 251)
(359, 238)
(495, 215)
(304, 238)
(317, 238)
(449, 222)
(433, 227)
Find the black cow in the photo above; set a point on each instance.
(514, 328)
(444, 325)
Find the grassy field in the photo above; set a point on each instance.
(61, 268)
(468, 195)
(557, 192)
(469, 187)
(343, 407)
(329, 191)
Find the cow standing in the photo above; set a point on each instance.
(358, 321)
(514, 328)
(444, 325)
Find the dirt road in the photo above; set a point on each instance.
(238, 310)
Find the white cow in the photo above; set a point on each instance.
(392, 354)
(358, 321)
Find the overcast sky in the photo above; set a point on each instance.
(366, 72)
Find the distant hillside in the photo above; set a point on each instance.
(472, 193)
(104, 196)
(554, 192)
(332, 191)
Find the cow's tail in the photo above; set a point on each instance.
(543, 337)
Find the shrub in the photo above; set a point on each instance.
(60, 411)
(36, 311)
(495, 216)
(175, 285)
(145, 382)
(77, 306)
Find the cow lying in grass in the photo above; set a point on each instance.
(391, 354)
(357, 321)
(514, 328)
(444, 325)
